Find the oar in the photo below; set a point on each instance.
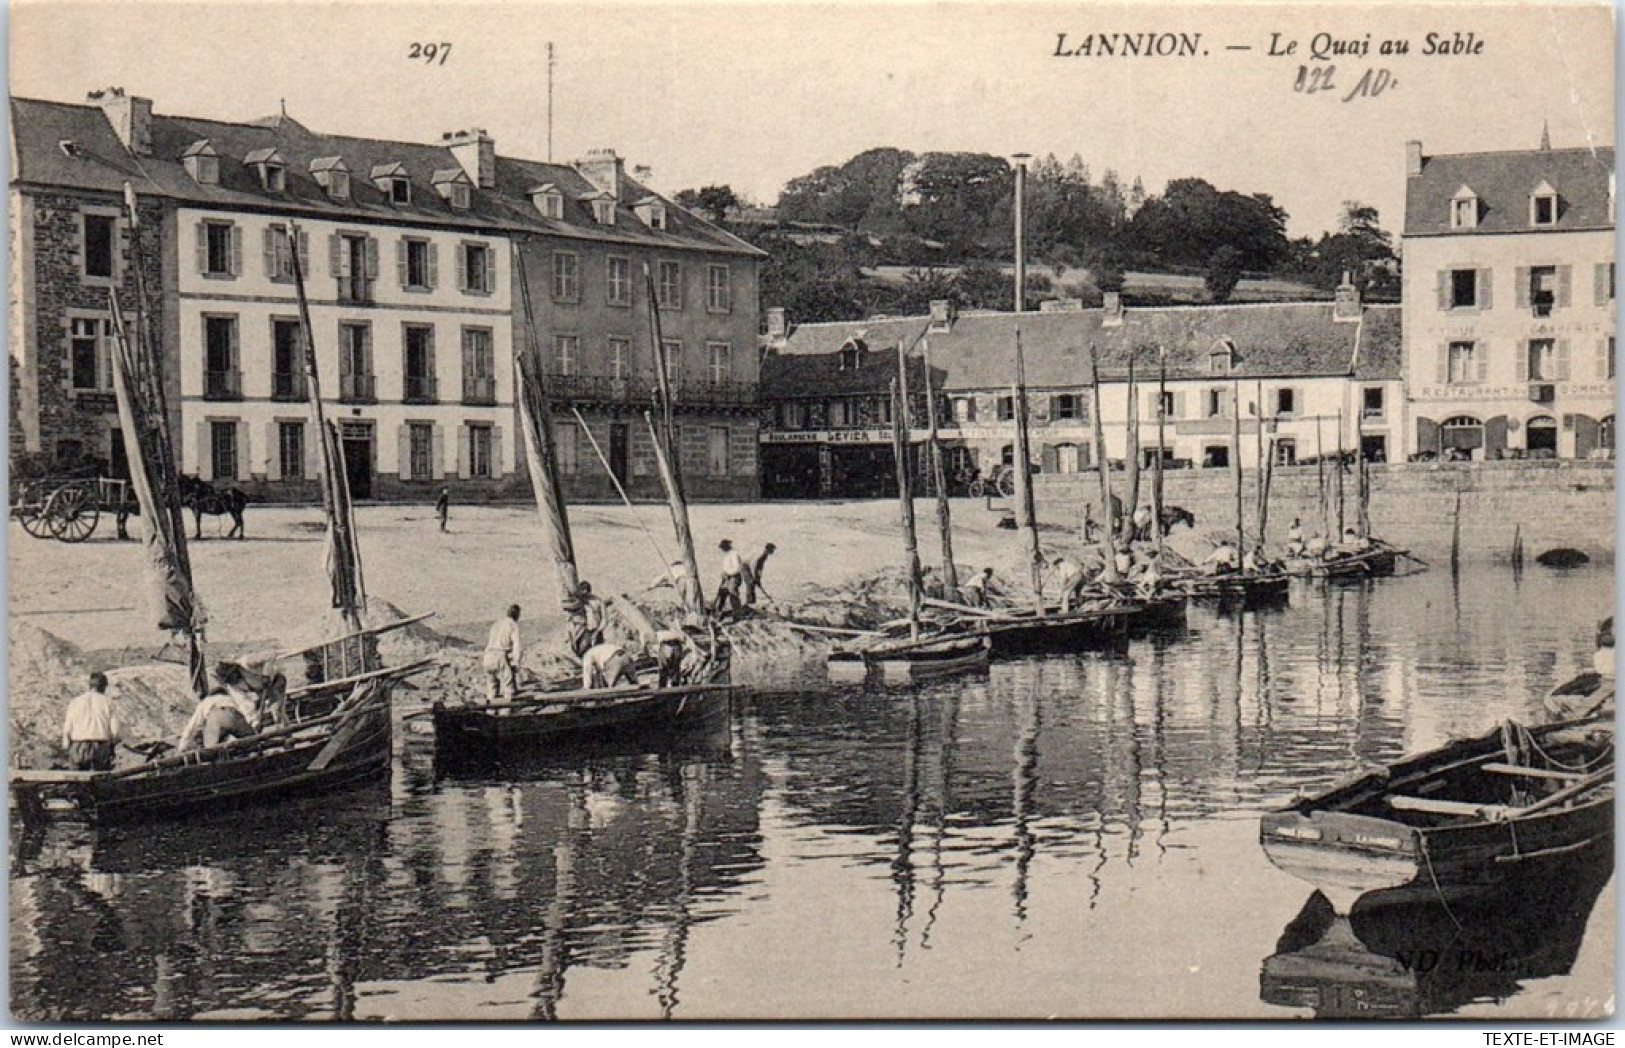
(1408, 555)
(1568, 792)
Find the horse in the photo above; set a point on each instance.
(202, 497)
(1172, 515)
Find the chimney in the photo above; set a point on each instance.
(130, 116)
(476, 154)
(1111, 306)
(778, 324)
(1346, 306)
(942, 315)
(1413, 158)
(604, 170)
(644, 175)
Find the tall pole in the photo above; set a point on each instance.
(1131, 456)
(1162, 448)
(1235, 459)
(672, 471)
(1026, 514)
(1320, 477)
(945, 531)
(1362, 479)
(550, 63)
(1021, 231)
(905, 496)
(1340, 524)
(1258, 463)
(1108, 572)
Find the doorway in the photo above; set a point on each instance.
(620, 444)
(1540, 437)
(357, 440)
(118, 460)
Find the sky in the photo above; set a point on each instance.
(752, 94)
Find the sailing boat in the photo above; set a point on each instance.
(562, 714)
(1363, 557)
(927, 651)
(333, 730)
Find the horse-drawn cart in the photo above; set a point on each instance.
(69, 508)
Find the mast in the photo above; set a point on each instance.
(905, 496)
(144, 422)
(666, 451)
(1235, 459)
(344, 558)
(1320, 478)
(1109, 572)
(950, 572)
(1262, 512)
(1340, 522)
(1162, 447)
(1131, 455)
(1362, 479)
(1026, 513)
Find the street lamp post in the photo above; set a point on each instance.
(1020, 160)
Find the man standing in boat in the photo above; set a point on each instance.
(605, 666)
(90, 728)
(586, 613)
(1069, 579)
(503, 654)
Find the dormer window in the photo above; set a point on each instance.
(202, 163)
(1464, 209)
(1543, 206)
(453, 185)
(1221, 359)
(392, 181)
(400, 191)
(651, 211)
(273, 172)
(548, 200)
(603, 208)
(331, 174)
(851, 357)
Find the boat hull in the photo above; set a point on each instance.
(1059, 634)
(1372, 564)
(1242, 592)
(923, 663)
(215, 780)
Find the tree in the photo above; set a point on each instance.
(714, 200)
(859, 194)
(1360, 248)
(1223, 273)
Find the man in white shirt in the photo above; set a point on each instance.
(586, 619)
(503, 653)
(733, 570)
(231, 711)
(1069, 578)
(91, 728)
(1224, 558)
(605, 666)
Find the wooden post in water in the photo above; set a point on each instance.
(905, 497)
(1109, 571)
(1026, 511)
(1455, 534)
(1517, 547)
(1340, 517)
(950, 572)
(1235, 460)
(1162, 447)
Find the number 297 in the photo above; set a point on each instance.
(429, 54)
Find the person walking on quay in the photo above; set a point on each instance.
(503, 654)
(733, 572)
(90, 728)
(442, 506)
(753, 575)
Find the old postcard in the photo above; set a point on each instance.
(789, 511)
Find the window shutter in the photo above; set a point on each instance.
(245, 463)
(271, 271)
(313, 453)
(400, 263)
(499, 461)
(1444, 363)
(403, 451)
(273, 447)
(437, 453)
(1563, 353)
(372, 258)
(1599, 284)
(205, 452)
(1444, 289)
(1481, 358)
(462, 267)
(490, 271)
(1602, 359)
(1179, 405)
(462, 452)
(1521, 275)
(304, 253)
(202, 247)
(1521, 366)
(338, 264)
(1484, 286)
(236, 251)
(434, 265)
(1565, 285)
(1048, 458)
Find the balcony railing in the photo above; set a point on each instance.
(287, 385)
(358, 389)
(479, 389)
(420, 389)
(355, 290)
(222, 385)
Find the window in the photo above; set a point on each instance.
(792, 415)
(400, 191)
(1222, 358)
(566, 276)
(479, 450)
(721, 361)
(673, 349)
(1464, 209)
(840, 413)
(1371, 402)
(100, 234)
(459, 196)
(1007, 409)
(418, 366)
(1463, 363)
(279, 254)
(479, 269)
(274, 177)
(620, 281)
(1067, 406)
(1165, 404)
(1542, 289)
(964, 409)
(1542, 360)
(620, 354)
(669, 285)
(220, 378)
(1543, 207)
(549, 203)
(338, 185)
(1066, 458)
(1286, 451)
(287, 362)
(1286, 402)
(223, 450)
(566, 353)
(851, 358)
(566, 443)
(716, 450)
(1463, 288)
(355, 265)
(603, 212)
(355, 362)
(479, 367)
(419, 451)
(416, 263)
(718, 290)
(1213, 402)
(219, 249)
(290, 443)
(90, 348)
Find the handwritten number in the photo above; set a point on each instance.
(429, 52)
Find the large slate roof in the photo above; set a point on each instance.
(1503, 183)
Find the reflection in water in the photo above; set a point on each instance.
(1410, 961)
(1068, 836)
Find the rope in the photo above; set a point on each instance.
(665, 561)
(1427, 859)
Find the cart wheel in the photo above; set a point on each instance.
(30, 512)
(1007, 484)
(73, 513)
(976, 489)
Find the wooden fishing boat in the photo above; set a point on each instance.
(1241, 590)
(1455, 821)
(1379, 562)
(1084, 629)
(903, 660)
(332, 730)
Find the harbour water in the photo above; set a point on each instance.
(1071, 837)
